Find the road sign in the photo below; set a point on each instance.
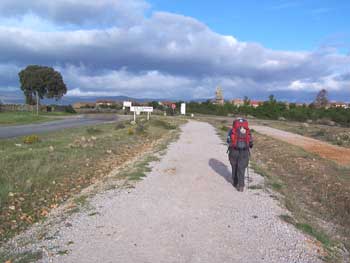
(127, 104)
(173, 106)
(183, 108)
(141, 109)
(138, 109)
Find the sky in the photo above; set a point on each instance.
(180, 49)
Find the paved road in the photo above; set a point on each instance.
(76, 121)
(185, 210)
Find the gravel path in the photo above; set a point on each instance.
(338, 154)
(186, 210)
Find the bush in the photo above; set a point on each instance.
(30, 139)
(119, 126)
(93, 130)
(69, 109)
(224, 128)
(131, 131)
(163, 124)
(140, 128)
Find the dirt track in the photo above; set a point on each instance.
(185, 210)
(325, 150)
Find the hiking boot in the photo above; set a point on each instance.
(240, 188)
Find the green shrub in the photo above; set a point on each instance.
(131, 131)
(140, 128)
(69, 109)
(93, 130)
(164, 124)
(30, 139)
(119, 126)
(224, 128)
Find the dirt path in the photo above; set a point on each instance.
(338, 154)
(185, 210)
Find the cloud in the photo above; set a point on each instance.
(102, 12)
(161, 55)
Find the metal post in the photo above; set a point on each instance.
(135, 116)
(148, 116)
(37, 103)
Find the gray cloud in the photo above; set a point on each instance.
(166, 54)
(91, 12)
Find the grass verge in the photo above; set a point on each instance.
(18, 118)
(34, 178)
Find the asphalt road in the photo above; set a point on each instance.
(72, 122)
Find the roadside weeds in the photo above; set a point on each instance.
(121, 174)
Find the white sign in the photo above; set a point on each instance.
(127, 104)
(141, 109)
(183, 108)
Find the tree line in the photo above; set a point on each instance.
(274, 110)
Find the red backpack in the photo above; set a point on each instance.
(240, 134)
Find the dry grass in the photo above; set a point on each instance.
(38, 177)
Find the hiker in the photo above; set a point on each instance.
(240, 141)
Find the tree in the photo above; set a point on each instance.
(321, 99)
(272, 99)
(246, 101)
(38, 82)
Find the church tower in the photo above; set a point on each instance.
(219, 97)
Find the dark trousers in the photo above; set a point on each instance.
(239, 162)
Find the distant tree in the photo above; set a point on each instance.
(246, 101)
(38, 82)
(272, 99)
(321, 99)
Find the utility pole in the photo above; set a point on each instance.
(37, 103)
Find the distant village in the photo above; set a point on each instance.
(218, 100)
(114, 105)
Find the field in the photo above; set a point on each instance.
(13, 118)
(315, 190)
(47, 170)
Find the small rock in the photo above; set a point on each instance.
(18, 145)
(12, 207)
(11, 194)
(51, 148)
(68, 224)
(109, 151)
(306, 125)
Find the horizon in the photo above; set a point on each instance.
(177, 51)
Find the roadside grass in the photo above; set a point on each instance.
(315, 190)
(23, 257)
(18, 118)
(37, 177)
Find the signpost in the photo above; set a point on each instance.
(126, 104)
(183, 108)
(138, 109)
(173, 106)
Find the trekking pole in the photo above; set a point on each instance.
(248, 174)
